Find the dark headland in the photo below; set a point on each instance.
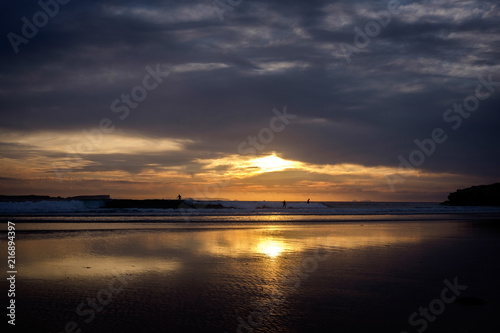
(482, 195)
(156, 203)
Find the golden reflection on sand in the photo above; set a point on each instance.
(86, 253)
(91, 266)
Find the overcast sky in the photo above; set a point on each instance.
(169, 92)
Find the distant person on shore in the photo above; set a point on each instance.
(179, 197)
(308, 201)
(284, 204)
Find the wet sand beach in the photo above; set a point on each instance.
(259, 277)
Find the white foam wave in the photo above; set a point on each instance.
(46, 206)
(221, 207)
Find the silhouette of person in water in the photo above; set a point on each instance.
(308, 201)
(179, 197)
(284, 204)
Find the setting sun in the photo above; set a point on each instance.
(273, 163)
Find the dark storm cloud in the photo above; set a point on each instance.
(263, 55)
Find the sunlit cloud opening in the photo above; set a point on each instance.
(81, 143)
(241, 166)
(273, 163)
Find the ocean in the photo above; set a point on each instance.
(226, 211)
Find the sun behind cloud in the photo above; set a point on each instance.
(273, 163)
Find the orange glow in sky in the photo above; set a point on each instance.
(43, 166)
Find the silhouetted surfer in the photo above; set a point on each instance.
(308, 201)
(284, 204)
(179, 197)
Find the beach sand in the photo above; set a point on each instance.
(300, 277)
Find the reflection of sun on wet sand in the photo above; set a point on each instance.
(193, 278)
(59, 257)
(271, 248)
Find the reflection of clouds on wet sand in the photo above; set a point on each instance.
(83, 254)
(193, 278)
(91, 266)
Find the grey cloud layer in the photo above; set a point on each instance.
(264, 54)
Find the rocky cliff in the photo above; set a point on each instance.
(482, 195)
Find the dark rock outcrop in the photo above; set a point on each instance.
(482, 195)
(90, 197)
(150, 203)
(158, 203)
(21, 198)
